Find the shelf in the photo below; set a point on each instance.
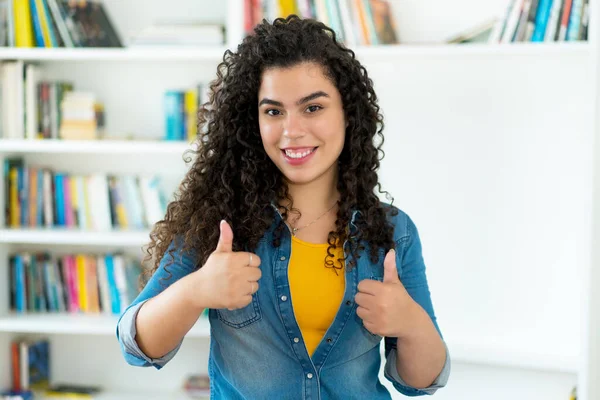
(116, 395)
(215, 54)
(77, 324)
(449, 50)
(109, 147)
(56, 236)
(498, 355)
(212, 54)
(86, 324)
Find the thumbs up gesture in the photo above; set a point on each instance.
(385, 307)
(228, 279)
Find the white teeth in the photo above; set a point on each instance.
(291, 154)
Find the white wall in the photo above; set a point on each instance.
(491, 156)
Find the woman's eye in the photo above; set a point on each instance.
(272, 112)
(312, 109)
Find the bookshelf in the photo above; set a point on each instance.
(470, 106)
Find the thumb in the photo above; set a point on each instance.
(390, 272)
(225, 243)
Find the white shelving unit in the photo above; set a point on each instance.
(489, 149)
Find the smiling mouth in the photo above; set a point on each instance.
(298, 154)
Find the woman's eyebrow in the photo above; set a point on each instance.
(312, 96)
(303, 100)
(271, 102)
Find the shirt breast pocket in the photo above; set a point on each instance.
(371, 336)
(242, 316)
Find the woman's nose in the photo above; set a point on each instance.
(292, 127)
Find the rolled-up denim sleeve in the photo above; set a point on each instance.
(391, 373)
(126, 332)
(411, 270)
(170, 270)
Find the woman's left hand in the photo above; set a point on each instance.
(385, 307)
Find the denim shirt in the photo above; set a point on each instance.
(257, 352)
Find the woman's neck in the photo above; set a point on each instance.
(314, 197)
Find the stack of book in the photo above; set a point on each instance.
(355, 22)
(82, 117)
(40, 197)
(197, 386)
(180, 33)
(56, 23)
(73, 283)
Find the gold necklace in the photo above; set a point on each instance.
(294, 230)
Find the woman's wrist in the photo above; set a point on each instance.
(192, 289)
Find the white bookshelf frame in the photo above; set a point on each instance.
(76, 237)
(93, 147)
(215, 54)
(77, 324)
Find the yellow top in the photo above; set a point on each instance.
(316, 290)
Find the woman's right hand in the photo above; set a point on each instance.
(228, 279)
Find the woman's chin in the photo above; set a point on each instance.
(299, 177)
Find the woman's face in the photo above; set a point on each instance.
(301, 121)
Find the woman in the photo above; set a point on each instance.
(276, 229)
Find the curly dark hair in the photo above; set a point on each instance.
(232, 177)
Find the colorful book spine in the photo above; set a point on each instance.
(575, 20)
(60, 201)
(174, 124)
(48, 27)
(37, 24)
(82, 282)
(23, 27)
(541, 20)
(71, 268)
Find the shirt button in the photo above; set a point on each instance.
(296, 340)
(283, 298)
(328, 340)
(309, 375)
(282, 258)
(348, 302)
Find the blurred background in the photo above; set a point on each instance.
(490, 123)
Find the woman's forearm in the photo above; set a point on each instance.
(421, 357)
(165, 319)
